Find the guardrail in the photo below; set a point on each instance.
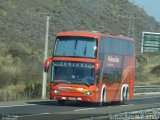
(147, 87)
(143, 89)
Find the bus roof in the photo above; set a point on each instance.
(79, 33)
(94, 34)
(121, 37)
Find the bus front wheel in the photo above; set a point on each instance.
(102, 103)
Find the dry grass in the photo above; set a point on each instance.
(148, 70)
(11, 92)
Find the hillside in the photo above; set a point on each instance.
(22, 33)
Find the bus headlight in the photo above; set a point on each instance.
(56, 91)
(88, 93)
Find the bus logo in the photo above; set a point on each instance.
(113, 59)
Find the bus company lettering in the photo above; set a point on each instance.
(113, 59)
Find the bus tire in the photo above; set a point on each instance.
(124, 96)
(61, 102)
(103, 98)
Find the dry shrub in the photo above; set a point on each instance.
(11, 92)
(156, 70)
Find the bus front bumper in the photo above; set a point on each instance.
(73, 97)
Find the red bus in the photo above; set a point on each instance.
(92, 67)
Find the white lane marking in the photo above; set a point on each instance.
(34, 115)
(84, 109)
(146, 97)
(16, 105)
(127, 105)
(156, 103)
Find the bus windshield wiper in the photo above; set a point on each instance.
(85, 50)
(84, 82)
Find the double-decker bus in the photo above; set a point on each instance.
(92, 67)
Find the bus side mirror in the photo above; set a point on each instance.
(46, 64)
(97, 65)
(97, 76)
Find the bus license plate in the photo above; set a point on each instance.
(72, 98)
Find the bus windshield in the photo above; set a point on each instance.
(73, 73)
(76, 46)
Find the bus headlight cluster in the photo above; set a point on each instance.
(56, 91)
(88, 93)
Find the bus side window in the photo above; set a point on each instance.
(117, 74)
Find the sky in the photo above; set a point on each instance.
(152, 7)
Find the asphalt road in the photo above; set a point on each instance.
(46, 110)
